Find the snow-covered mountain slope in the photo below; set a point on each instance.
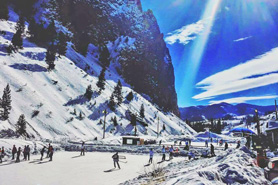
(56, 94)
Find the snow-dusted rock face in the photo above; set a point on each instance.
(48, 99)
(146, 64)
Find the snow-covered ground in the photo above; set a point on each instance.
(69, 168)
(228, 167)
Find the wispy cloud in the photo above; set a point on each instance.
(187, 33)
(243, 99)
(258, 72)
(242, 39)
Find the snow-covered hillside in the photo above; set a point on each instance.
(54, 95)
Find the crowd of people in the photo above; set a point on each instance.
(26, 152)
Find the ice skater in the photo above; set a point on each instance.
(116, 160)
(171, 152)
(18, 155)
(238, 144)
(51, 151)
(42, 152)
(163, 153)
(212, 150)
(151, 156)
(83, 149)
(48, 151)
(226, 146)
(14, 150)
(28, 153)
(0, 155)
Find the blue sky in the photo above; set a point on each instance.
(222, 50)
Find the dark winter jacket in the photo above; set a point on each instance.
(115, 157)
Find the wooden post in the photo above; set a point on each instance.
(157, 127)
(258, 122)
(105, 113)
(276, 110)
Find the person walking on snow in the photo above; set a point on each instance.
(116, 160)
(163, 153)
(42, 152)
(83, 149)
(18, 155)
(48, 151)
(151, 156)
(212, 150)
(206, 142)
(171, 152)
(14, 150)
(25, 153)
(226, 146)
(238, 144)
(28, 152)
(51, 151)
(0, 155)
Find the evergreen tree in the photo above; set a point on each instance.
(51, 31)
(17, 40)
(164, 127)
(21, 125)
(6, 103)
(4, 11)
(83, 43)
(50, 57)
(115, 122)
(101, 80)
(142, 111)
(62, 44)
(112, 103)
(104, 57)
(130, 96)
(89, 92)
(218, 127)
(133, 119)
(20, 25)
(118, 92)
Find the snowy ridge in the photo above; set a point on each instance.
(56, 94)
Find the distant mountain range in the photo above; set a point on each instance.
(197, 113)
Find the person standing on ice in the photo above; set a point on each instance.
(14, 150)
(83, 148)
(51, 151)
(151, 156)
(171, 152)
(28, 152)
(212, 150)
(0, 155)
(238, 144)
(25, 153)
(163, 153)
(226, 146)
(18, 155)
(48, 151)
(42, 152)
(116, 160)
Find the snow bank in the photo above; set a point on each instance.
(228, 167)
